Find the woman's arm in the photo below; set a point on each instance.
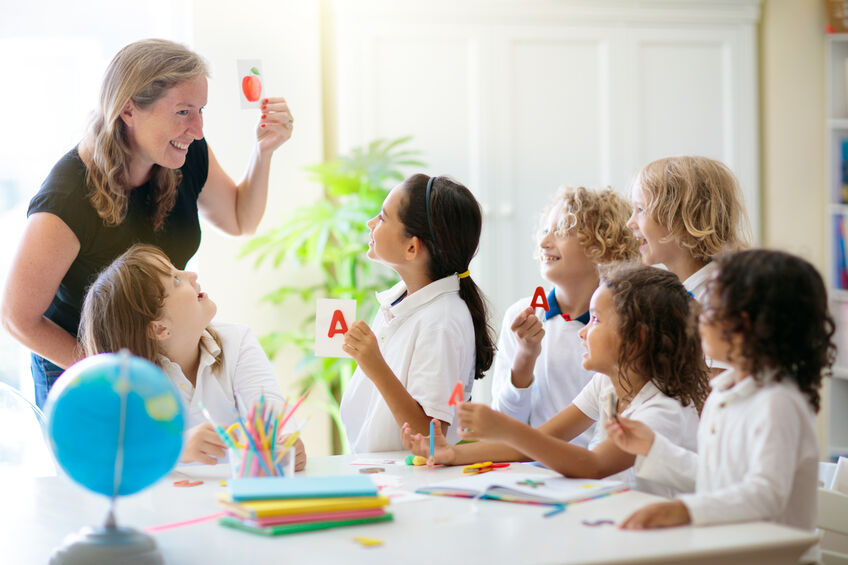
(46, 252)
(237, 208)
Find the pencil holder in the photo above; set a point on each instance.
(246, 463)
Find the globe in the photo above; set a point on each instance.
(115, 423)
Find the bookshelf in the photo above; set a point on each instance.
(836, 398)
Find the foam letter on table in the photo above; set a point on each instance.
(332, 320)
(539, 299)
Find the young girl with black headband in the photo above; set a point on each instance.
(431, 330)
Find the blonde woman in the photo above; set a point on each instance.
(142, 173)
(538, 367)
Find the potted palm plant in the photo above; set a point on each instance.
(331, 234)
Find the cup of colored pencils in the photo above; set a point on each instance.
(257, 447)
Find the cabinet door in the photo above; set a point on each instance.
(515, 106)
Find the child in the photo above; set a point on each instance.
(141, 302)
(686, 210)
(767, 317)
(431, 330)
(538, 367)
(643, 348)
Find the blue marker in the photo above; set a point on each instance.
(432, 439)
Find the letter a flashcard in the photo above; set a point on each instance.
(333, 317)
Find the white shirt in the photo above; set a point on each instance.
(696, 284)
(427, 339)
(558, 375)
(758, 456)
(245, 368)
(651, 407)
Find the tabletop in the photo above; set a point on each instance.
(41, 512)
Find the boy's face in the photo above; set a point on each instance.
(653, 247)
(561, 257)
(600, 336)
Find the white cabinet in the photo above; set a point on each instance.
(836, 400)
(514, 98)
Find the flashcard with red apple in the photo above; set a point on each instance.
(333, 317)
(250, 82)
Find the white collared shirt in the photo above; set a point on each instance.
(558, 376)
(427, 339)
(758, 456)
(696, 284)
(651, 407)
(245, 368)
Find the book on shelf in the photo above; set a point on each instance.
(843, 166)
(524, 488)
(840, 259)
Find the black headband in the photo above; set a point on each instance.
(427, 208)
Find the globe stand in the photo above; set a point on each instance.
(108, 544)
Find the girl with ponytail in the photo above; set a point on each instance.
(432, 328)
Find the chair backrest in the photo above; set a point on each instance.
(23, 447)
(833, 517)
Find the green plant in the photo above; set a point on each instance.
(331, 234)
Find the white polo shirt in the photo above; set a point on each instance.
(427, 339)
(245, 367)
(696, 284)
(558, 375)
(651, 407)
(758, 456)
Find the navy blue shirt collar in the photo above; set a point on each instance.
(555, 311)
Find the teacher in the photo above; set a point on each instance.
(140, 175)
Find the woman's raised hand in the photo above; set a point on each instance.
(275, 124)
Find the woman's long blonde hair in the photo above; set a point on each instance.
(142, 72)
(124, 301)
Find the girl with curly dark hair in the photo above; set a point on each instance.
(767, 316)
(642, 344)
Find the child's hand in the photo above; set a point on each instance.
(478, 421)
(299, 455)
(202, 444)
(361, 344)
(529, 333)
(631, 436)
(658, 515)
(419, 444)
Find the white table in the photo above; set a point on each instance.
(39, 513)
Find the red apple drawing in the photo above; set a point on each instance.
(251, 85)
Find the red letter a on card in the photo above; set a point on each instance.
(539, 299)
(337, 324)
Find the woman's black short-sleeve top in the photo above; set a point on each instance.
(65, 195)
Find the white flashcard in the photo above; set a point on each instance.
(333, 317)
(251, 82)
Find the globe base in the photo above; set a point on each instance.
(107, 545)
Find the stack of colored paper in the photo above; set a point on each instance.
(274, 506)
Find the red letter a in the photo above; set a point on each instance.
(337, 324)
(539, 299)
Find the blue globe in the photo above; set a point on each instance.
(115, 423)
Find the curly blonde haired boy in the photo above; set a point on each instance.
(538, 367)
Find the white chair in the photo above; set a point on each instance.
(833, 519)
(23, 447)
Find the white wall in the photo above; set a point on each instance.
(285, 35)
